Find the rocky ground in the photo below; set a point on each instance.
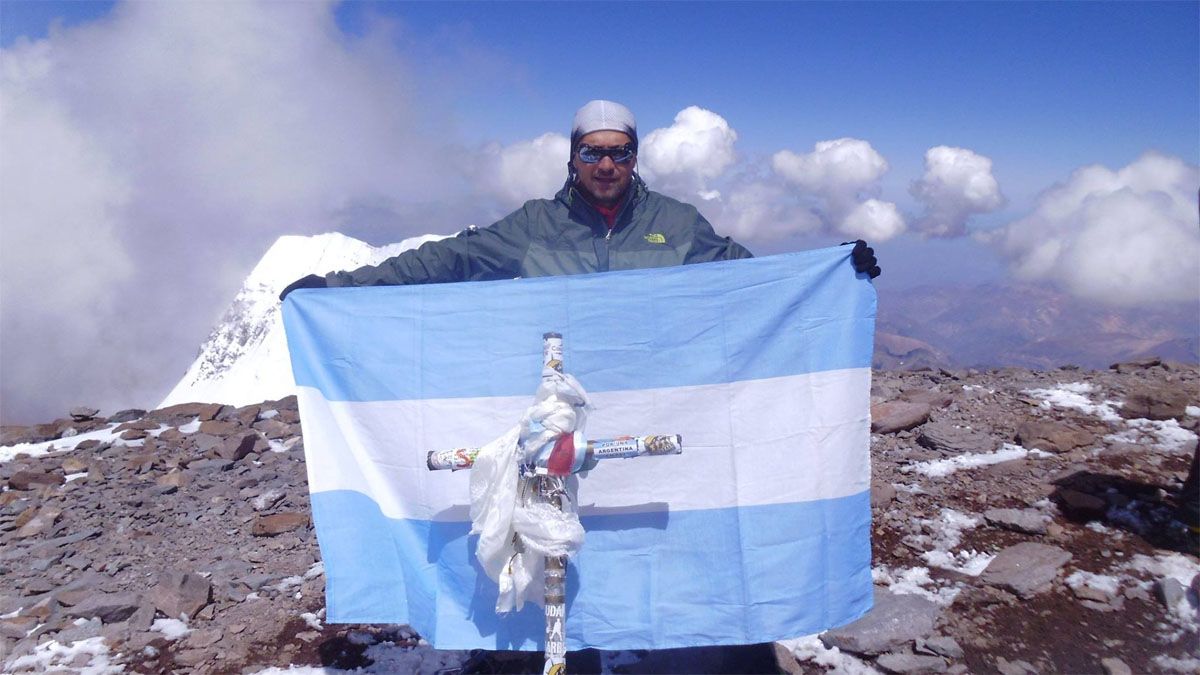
(1023, 523)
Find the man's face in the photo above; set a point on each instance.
(604, 182)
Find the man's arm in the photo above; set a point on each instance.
(707, 246)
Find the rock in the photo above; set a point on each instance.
(127, 415)
(31, 480)
(82, 412)
(238, 447)
(894, 621)
(173, 478)
(1052, 436)
(185, 412)
(1029, 521)
(73, 464)
(911, 663)
(882, 494)
(951, 439)
(893, 416)
(1026, 568)
(940, 645)
(1018, 667)
(219, 428)
(1080, 505)
(181, 593)
(1135, 365)
(270, 498)
(267, 526)
(38, 521)
(108, 607)
(1169, 591)
(1155, 403)
(1114, 666)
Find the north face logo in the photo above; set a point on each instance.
(656, 238)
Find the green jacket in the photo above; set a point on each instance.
(564, 235)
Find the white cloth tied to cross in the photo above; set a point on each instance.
(516, 530)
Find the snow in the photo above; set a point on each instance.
(1074, 395)
(967, 561)
(1188, 665)
(938, 468)
(1166, 435)
(105, 435)
(1192, 411)
(1174, 565)
(1100, 582)
(913, 581)
(810, 648)
(245, 359)
(52, 656)
(312, 620)
(173, 629)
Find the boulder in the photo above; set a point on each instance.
(181, 593)
(954, 440)
(1028, 521)
(37, 521)
(1052, 436)
(893, 416)
(83, 412)
(108, 607)
(237, 447)
(894, 621)
(1155, 403)
(31, 480)
(127, 415)
(1026, 568)
(269, 526)
(1136, 365)
(911, 663)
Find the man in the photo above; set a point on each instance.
(604, 218)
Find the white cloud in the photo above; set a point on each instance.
(957, 184)
(1124, 237)
(843, 175)
(761, 211)
(150, 157)
(523, 170)
(681, 159)
(872, 220)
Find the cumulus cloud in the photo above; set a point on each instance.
(843, 175)
(151, 157)
(683, 158)
(523, 170)
(957, 184)
(1125, 237)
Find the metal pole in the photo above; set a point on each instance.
(551, 488)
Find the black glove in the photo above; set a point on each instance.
(863, 258)
(310, 281)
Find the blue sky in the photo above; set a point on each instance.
(168, 144)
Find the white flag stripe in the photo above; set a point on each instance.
(798, 438)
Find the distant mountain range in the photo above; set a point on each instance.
(245, 358)
(1025, 325)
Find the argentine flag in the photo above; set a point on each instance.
(759, 531)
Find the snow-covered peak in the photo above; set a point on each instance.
(245, 359)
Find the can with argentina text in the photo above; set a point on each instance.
(635, 446)
(456, 459)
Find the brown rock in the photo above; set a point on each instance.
(185, 411)
(237, 447)
(39, 521)
(219, 428)
(74, 464)
(133, 435)
(1052, 436)
(893, 416)
(1026, 568)
(31, 480)
(174, 478)
(83, 412)
(140, 463)
(1080, 505)
(1155, 404)
(269, 526)
(1136, 364)
(137, 425)
(181, 593)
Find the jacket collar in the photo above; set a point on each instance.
(570, 196)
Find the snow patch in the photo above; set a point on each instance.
(173, 629)
(191, 427)
(1192, 411)
(1188, 665)
(1165, 435)
(938, 468)
(1073, 395)
(53, 656)
(914, 581)
(1099, 582)
(810, 648)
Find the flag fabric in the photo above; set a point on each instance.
(759, 531)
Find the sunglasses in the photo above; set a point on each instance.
(590, 154)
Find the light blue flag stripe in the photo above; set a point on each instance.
(655, 580)
(697, 324)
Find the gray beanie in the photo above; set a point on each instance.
(603, 116)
